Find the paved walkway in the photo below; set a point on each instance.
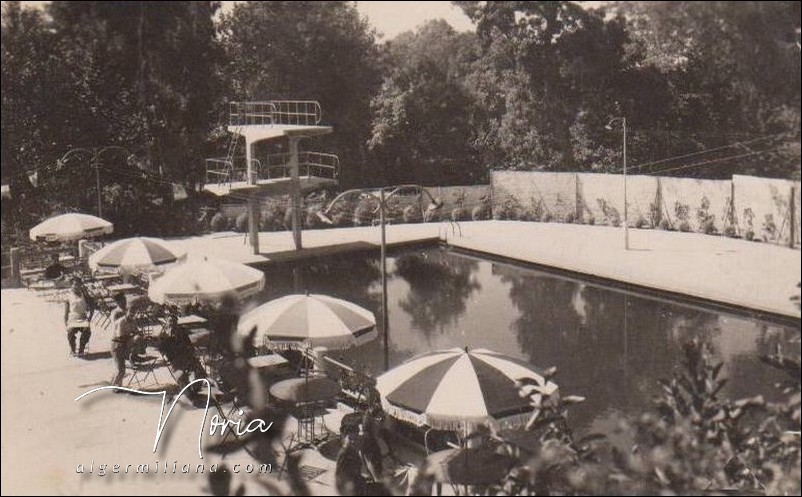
(46, 434)
(750, 275)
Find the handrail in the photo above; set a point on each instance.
(223, 170)
(273, 112)
(312, 163)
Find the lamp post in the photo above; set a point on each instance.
(609, 126)
(96, 152)
(382, 211)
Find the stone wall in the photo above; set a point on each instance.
(763, 205)
(601, 198)
(704, 204)
(535, 196)
(748, 207)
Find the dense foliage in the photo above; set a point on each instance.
(532, 88)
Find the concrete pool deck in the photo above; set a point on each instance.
(46, 433)
(747, 275)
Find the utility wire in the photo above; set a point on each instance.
(701, 152)
(713, 161)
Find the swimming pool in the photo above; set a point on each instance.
(609, 345)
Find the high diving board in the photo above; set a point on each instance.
(256, 133)
(269, 187)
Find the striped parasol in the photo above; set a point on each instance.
(135, 254)
(68, 227)
(301, 321)
(457, 389)
(205, 281)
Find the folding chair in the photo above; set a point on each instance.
(141, 370)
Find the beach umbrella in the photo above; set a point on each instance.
(138, 253)
(68, 227)
(303, 321)
(206, 281)
(458, 389)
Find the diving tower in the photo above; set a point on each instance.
(292, 173)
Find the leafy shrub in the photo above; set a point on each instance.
(479, 213)
(591, 220)
(769, 228)
(729, 231)
(288, 218)
(708, 227)
(272, 218)
(340, 218)
(498, 214)
(412, 214)
(666, 225)
(654, 214)
(640, 223)
(682, 213)
(218, 222)
(749, 220)
(707, 221)
(547, 217)
(569, 218)
(242, 223)
(363, 215)
(537, 209)
(431, 216)
(611, 214)
(312, 220)
(459, 214)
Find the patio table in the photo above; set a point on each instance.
(305, 395)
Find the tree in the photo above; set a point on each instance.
(423, 129)
(32, 81)
(144, 75)
(552, 75)
(733, 75)
(318, 51)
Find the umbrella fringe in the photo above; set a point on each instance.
(333, 343)
(454, 423)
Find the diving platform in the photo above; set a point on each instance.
(293, 173)
(269, 187)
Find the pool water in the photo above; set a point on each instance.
(609, 345)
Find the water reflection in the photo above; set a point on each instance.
(608, 346)
(439, 288)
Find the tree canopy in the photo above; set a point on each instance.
(708, 89)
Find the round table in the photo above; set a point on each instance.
(305, 390)
(305, 394)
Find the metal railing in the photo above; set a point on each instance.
(266, 113)
(225, 170)
(321, 165)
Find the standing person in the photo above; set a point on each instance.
(122, 334)
(77, 315)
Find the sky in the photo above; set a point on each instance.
(393, 18)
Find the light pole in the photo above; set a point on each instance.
(382, 198)
(96, 152)
(609, 126)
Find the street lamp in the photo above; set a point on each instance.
(609, 126)
(434, 205)
(96, 152)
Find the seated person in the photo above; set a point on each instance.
(174, 343)
(55, 271)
